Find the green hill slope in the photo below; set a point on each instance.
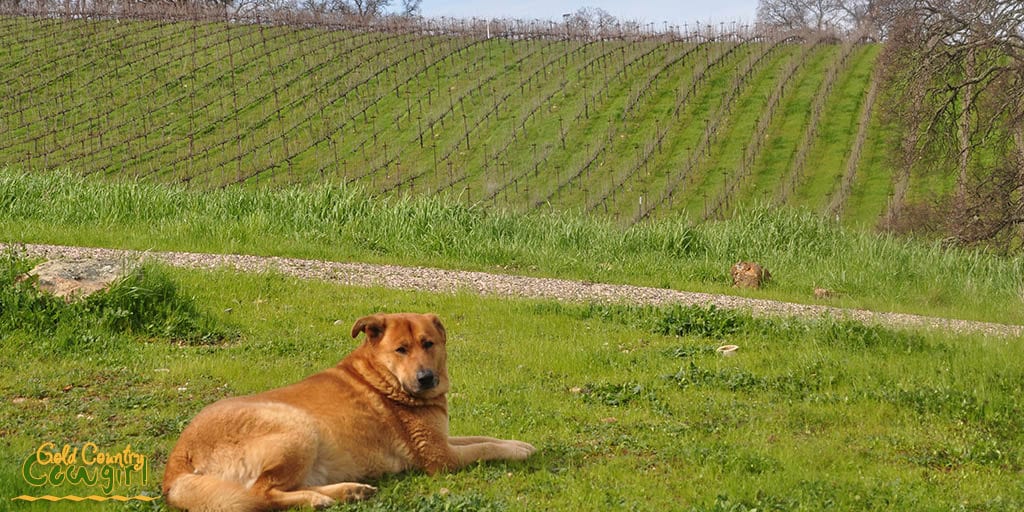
(627, 128)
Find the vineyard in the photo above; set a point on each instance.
(701, 121)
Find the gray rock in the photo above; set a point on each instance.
(72, 279)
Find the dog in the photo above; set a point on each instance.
(381, 410)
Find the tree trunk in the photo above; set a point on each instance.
(965, 130)
(1018, 139)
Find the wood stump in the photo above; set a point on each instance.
(747, 274)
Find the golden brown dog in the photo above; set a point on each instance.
(381, 410)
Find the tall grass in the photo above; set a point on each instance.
(802, 250)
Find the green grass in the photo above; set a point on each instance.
(786, 130)
(704, 104)
(629, 406)
(348, 224)
(736, 134)
(216, 104)
(827, 159)
(868, 201)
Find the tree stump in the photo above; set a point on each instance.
(747, 274)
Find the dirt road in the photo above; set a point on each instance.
(440, 280)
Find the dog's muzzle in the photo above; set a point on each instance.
(427, 379)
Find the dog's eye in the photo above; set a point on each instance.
(402, 350)
(428, 344)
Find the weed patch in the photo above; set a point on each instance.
(1001, 416)
(712, 323)
(761, 502)
(615, 395)
(686, 351)
(674, 320)
(705, 322)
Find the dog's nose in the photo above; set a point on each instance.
(426, 378)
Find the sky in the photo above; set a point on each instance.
(674, 12)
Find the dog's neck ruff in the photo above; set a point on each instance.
(385, 383)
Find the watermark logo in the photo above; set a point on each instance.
(87, 465)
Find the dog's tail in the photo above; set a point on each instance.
(186, 490)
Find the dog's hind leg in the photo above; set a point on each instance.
(286, 459)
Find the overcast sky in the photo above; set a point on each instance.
(675, 12)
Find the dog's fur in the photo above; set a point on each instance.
(381, 410)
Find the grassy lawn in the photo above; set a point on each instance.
(630, 407)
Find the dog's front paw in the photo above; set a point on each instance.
(520, 450)
(359, 492)
(321, 501)
(348, 491)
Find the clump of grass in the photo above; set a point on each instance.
(706, 322)
(613, 395)
(858, 336)
(673, 320)
(146, 302)
(711, 323)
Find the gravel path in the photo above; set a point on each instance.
(440, 280)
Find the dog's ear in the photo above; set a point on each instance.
(437, 323)
(372, 325)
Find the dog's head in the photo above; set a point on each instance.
(411, 347)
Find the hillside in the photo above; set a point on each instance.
(628, 128)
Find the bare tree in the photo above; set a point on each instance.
(411, 7)
(803, 14)
(861, 15)
(591, 22)
(886, 14)
(959, 66)
(363, 8)
(360, 8)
